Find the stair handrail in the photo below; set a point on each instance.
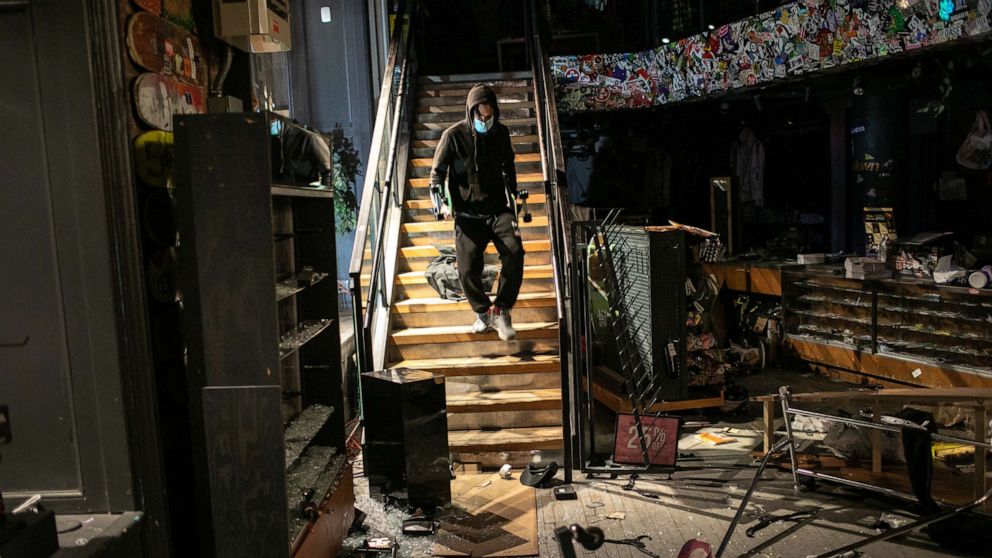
(381, 189)
(557, 208)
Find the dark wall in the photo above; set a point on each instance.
(332, 81)
(698, 138)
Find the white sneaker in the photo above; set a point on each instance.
(482, 323)
(504, 325)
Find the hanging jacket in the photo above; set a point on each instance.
(479, 168)
(747, 159)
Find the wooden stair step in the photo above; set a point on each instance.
(508, 400)
(507, 113)
(527, 138)
(519, 158)
(463, 334)
(420, 277)
(458, 103)
(484, 366)
(414, 305)
(475, 77)
(432, 251)
(534, 199)
(460, 109)
(506, 439)
(530, 121)
(521, 179)
(449, 225)
(462, 92)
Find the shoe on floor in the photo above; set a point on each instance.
(504, 324)
(482, 323)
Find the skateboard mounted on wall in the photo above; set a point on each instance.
(154, 158)
(161, 47)
(157, 98)
(153, 6)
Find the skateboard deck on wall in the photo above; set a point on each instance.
(157, 98)
(153, 157)
(180, 12)
(159, 46)
(153, 6)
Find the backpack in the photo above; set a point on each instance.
(974, 153)
(442, 275)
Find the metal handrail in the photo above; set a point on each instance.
(551, 166)
(388, 193)
(391, 95)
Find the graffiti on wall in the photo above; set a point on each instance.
(796, 38)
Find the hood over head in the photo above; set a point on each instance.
(478, 95)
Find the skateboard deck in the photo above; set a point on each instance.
(153, 157)
(159, 46)
(157, 98)
(153, 6)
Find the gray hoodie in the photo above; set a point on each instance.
(482, 178)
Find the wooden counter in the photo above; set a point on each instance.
(763, 278)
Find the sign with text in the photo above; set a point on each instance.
(661, 437)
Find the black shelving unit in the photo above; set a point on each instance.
(263, 347)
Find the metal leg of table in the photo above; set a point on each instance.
(876, 444)
(980, 452)
(785, 396)
(768, 406)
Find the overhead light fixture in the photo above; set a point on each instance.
(665, 40)
(711, 27)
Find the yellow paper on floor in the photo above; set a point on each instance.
(714, 439)
(489, 516)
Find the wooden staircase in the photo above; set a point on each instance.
(504, 398)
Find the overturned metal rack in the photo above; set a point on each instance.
(643, 395)
(976, 396)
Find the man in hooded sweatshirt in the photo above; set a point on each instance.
(476, 157)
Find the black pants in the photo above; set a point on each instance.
(472, 236)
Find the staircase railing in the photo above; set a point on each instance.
(382, 196)
(557, 207)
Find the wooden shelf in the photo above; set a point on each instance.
(292, 286)
(301, 191)
(300, 335)
(620, 404)
(303, 429)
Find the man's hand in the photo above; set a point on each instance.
(444, 212)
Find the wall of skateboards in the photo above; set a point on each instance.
(168, 72)
(797, 38)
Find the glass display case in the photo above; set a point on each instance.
(944, 326)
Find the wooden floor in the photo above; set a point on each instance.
(700, 500)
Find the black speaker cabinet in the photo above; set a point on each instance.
(651, 274)
(406, 435)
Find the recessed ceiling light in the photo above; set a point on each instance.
(665, 41)
(711, 27)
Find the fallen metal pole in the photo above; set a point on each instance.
(891, 533)
(747, 496)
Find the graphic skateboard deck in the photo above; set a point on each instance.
(157, 98)
(153, 6)
(159, 46)
(153, 157)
